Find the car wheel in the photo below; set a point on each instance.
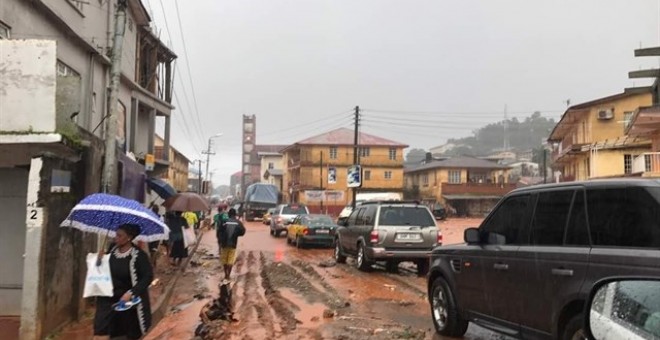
(574, 329)
(444, 310)
(362, 262)
(299, 242)
(422, 267)
(392, 267)
(339, 254)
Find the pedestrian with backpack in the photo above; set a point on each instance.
(228, 234)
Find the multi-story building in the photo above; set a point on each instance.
(54, 76)
(470, 186)
(272, 168)
(177, 172)
(316, 168)
(590, 139)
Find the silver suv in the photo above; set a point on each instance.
(390, 231)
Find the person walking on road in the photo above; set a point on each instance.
(228, 234)
(131, 276)
(178, 250)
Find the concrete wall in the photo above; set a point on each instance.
(27, 85)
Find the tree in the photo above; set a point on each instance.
(415, 156)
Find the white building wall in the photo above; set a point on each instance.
(27, 85)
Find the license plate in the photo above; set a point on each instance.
(408, 237)
(323, 231)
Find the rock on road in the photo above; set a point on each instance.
(281, 292)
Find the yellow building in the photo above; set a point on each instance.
(469, 185)
(316, 168)
(590, 140)
(646, 124)
(177, 172)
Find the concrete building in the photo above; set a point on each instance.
(311, 163)
(272, 168)
(471, 186)
(590, 139)
(52, 106)
(177, 172)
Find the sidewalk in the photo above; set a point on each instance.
(165, 279)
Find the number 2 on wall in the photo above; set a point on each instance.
(33, 214)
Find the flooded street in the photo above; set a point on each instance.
(281, 292)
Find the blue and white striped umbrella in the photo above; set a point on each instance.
(104, 213)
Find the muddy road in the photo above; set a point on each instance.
(281, 292)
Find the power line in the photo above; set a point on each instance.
(311, 123)
(185, 52)
(436, 113)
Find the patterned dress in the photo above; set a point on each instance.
(130, 271)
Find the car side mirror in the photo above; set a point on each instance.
(472, 236)
(623, 309)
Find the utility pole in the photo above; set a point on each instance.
(110, 159)
(321, 180)
(356, 159)
(208, 154)
(199, 190)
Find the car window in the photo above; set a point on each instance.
(509, 222)
(320, 220)
(294, 210)
(577, 230)
(550, 216)
(359, 219)
(370, 215)
(624, 217)
(353, 217)
(401, 216)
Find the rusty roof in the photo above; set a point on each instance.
(460, 162)
(345, 136)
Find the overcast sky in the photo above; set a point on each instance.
(448, 67)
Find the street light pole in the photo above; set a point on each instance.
(208, 154)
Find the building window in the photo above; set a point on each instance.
(393, 154)
(333, 152)
(65, 71)
(388, 174)
(627, 164)
(367, 175)
(647, 163)
(271, 165)
(455, 176)
(425, 180)
(4, 31)
(627, 118)
(364, 152)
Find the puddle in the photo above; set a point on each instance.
(311, 315)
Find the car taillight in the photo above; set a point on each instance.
(439, 237)
(374, 236)
(305, 231)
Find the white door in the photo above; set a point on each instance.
(13, 200)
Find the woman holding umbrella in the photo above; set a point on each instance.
(128, 312)
(178, 250)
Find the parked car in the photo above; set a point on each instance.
(311, 230)
(528, 269)
(283, 215)
(390, 231)
(439, 212)
(267, 216)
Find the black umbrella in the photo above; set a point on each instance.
(162, 188)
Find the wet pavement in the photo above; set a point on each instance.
(281, 292)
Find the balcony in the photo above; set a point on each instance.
(647, 164)
(486, 189)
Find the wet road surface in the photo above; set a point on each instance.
(281, 292)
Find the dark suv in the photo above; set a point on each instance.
(391, 231)
(527, 270)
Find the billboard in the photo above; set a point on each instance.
(332, 175)
(354, 178)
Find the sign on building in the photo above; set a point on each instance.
(354, 178)
(332, 175)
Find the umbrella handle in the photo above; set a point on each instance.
(102, 250)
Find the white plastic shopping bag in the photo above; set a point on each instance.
(99, 280)
(189, 238)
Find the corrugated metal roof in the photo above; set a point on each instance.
(462, 162)
(345, 136)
